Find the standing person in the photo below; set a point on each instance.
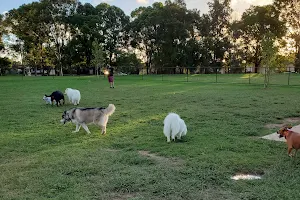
(111, 76)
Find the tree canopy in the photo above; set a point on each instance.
(166, 37)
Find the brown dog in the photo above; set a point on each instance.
(292, 139)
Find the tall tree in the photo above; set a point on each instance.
(112, 28)
(85, 31)
(163, 32)
(98, 56)
(290, 14)
(172, 33)
(214, 29)
(256, 23)
(269, 52)
(176, 33)
(56, 22)
(144, 30)
(27, 23)
(1, 32)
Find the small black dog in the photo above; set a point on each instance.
(57, 96)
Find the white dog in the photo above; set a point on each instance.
(174, 126)
(47, 99)
(73, 95)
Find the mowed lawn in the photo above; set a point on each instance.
(42, 159)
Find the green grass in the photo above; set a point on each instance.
(42, 159)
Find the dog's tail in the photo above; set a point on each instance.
(110, 109)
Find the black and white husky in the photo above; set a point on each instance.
(84, 116)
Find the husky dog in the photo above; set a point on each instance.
(84, 116)
(174, 126)
(73, 95)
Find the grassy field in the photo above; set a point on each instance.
(42, 159)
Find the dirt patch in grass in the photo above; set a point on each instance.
(175, 162)
(291, 120)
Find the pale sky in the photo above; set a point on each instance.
(129, 5)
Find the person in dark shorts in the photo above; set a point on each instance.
(111, 76)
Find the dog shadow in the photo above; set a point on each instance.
(182, 140)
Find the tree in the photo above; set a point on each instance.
(84, 29)
(214, 30)
(144, 31)
(57, 12)
(27, 24)
(128, 63)
(162, 33)
(1, 32)
(256, 23)
(178, 27)
(290, 13)
(98, 56)
(4, 65)
(269, 52)
(282, 61)
(111, 28)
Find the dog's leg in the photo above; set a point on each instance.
(173, 137)
(290, 151)
(86, 128)
(168, 139)
(103, 130)
(295, 152)
(77, 128)
(179, 136)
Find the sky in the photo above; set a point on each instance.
(129, 5)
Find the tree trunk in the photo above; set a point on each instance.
(35, 71)
(147, 67)
(256, 67)
(110, 58)
(61, 71)
(297, 61)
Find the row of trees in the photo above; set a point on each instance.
(66, 34)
